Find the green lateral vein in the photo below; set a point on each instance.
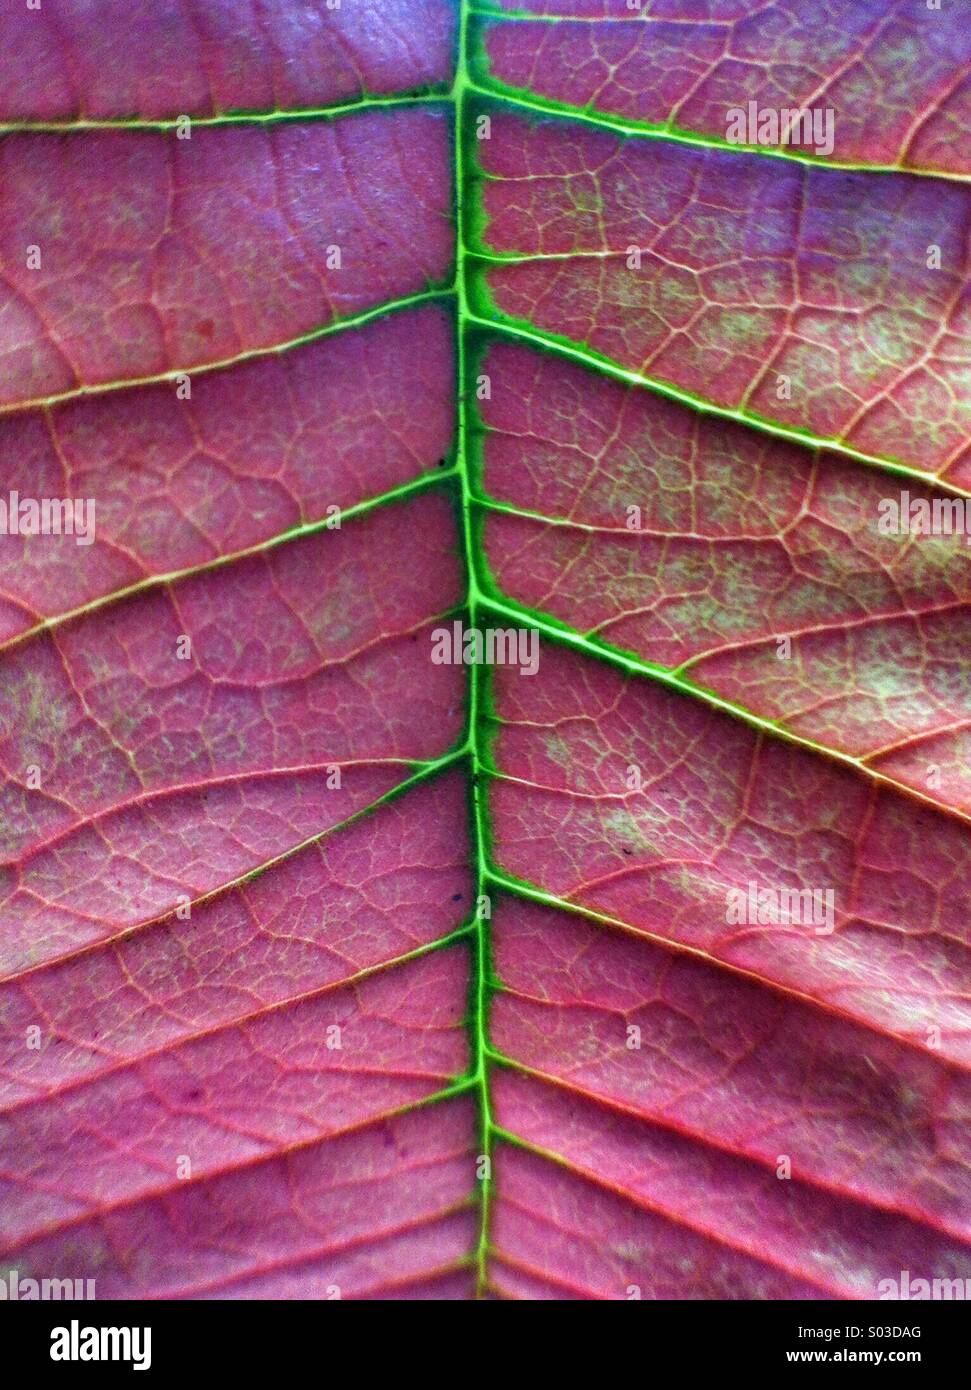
(616, 1107)
(632, 665)
(82, 1079)
(420, 772)
(424, 483)
(237, 1164)
(423, 97)
(520, 888)
(604, 366)
(499, 16)
(488, 86)
(676, 1218)
(430, 296)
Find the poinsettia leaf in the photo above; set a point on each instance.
(335, 963)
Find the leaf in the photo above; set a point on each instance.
(328, 969)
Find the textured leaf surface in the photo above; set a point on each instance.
(327, 970)
(743, 538)
(894, 75)
(751, 268)
(97, 59)
(165, 254)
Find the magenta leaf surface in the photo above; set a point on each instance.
(630, 958)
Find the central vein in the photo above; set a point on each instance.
(479, 1002)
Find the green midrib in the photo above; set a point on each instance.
(482, 950)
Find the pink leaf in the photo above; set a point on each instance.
(335, 963)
